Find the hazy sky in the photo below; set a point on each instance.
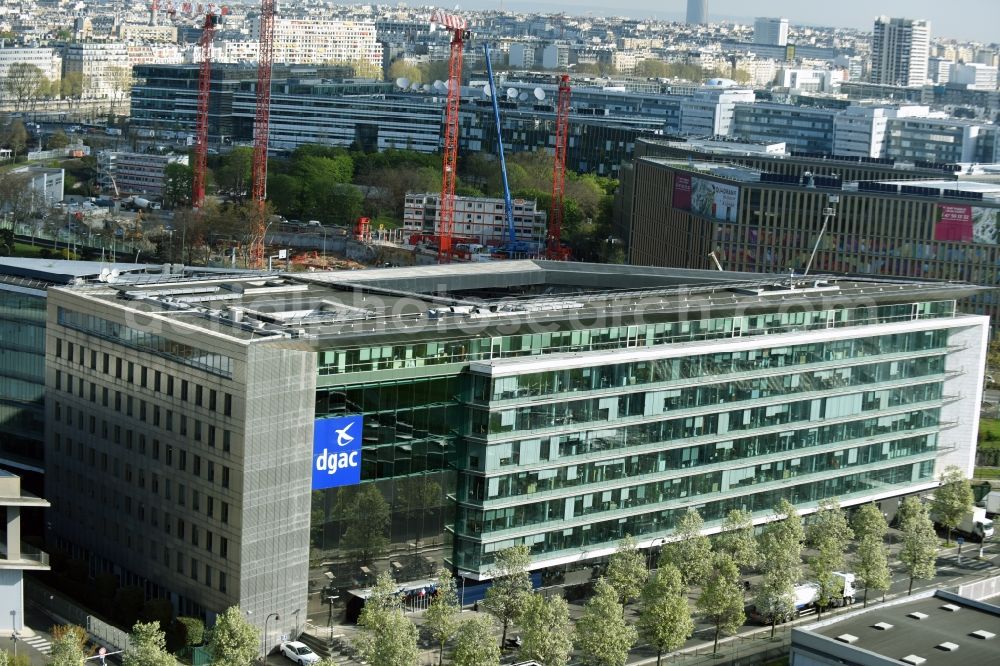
(961, 19)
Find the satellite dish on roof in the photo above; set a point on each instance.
(103, 277)
(403, 82)
(511, 93)
(487, 91)
(439, 85)
(427, 87)
(113, 275)
(539, 94)
(523, 97)
(415, 86)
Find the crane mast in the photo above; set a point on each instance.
(555, 249)
(261, 130)
(201, 120)
(458, 28)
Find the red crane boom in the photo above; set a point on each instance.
(261, 130)
(201, 120)
(555, 249)
(449, 163)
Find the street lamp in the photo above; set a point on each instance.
(263, 640)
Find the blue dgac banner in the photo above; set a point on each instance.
(337, 452)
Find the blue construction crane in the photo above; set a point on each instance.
(514, 246)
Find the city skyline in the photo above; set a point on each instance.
(977, 22)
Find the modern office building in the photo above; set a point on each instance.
(315, 41)
(260, 440)
(122, 173)
(973, 75)
(758, 221)
(478, 220)
(900, 51)
(770, 31)
(932, 628)
(697, 12)
(802, 128)
(710, 111)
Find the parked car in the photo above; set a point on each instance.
(299, 653)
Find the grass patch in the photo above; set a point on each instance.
(989, 434)
(987, 473)
(26, 250)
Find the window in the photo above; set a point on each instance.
(194, 569)
(225, 513)
(197, 394)
(225, 476)
(226, 440)
(208, 541)
(156, 381)
(210, 506)
(223, 547)
(184, 390)
(228, 405)
(182, 460)
(222, 581)
(194, 535)
(180, 528)
(211, 471)
(143, 376)
(196, 469)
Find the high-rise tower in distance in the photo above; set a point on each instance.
(900, 48)
(697, 12)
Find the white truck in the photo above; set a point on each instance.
(976, 525)
(807, 594)
(991, 503)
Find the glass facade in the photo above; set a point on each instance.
(466, 453)
(22, 373)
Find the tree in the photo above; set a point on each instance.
(147, 646)
(68, 645)
(546, 630)
(602, 635)
(721, 598)
(23, 83)
(737, 539)
(627, 571)
(405, 69)
(952, 499)
(194, 630)
(651, 68)
(442, 616)
(71, 87)
(511, 584)
(873, 566)
(829, 534)
(475, 644)
(691, 552)
(870, 529)
(919, 550)
(57, 140)
(365, 514)
(388, 637)
(664, 616)
(16, 136)
(233, 174)
(178, 181)
(120, 81)
(781, 563)
(234, 642)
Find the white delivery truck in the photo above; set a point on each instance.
(991, 503)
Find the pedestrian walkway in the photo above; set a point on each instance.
(41, 644)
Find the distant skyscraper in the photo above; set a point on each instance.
(771, 31)
(900, 49)
(697, 12)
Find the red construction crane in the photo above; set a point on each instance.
(555, 249)
(201, 119)
(261, 129)
(458, 28)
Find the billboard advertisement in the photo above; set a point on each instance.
(337, 452)
(954, 223)
(961, 223)
(682, 191)
(713, 199)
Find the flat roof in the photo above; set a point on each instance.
(923, 626)
(479, 299)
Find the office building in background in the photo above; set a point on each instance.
(697, 13)
(900, 51)
(770, 31)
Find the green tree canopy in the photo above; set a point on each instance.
(919, 541)
(546, 630)
(952, 499)
(665, 617)
(67, 645)
(365, 515)
(603, 637)
(505, 597)
(387, 637)
(721, 598)
(829, 534)
(178, 181)
(235, 642)
(442, 616)
(147, 646)
(781, 564)
(737, 539)
(627, 571)
(691, 552)
(475, 644)
(872, 561)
